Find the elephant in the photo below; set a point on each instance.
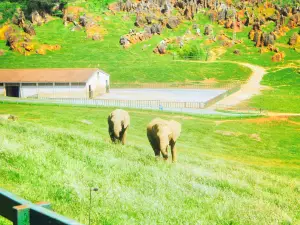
(118, 123)
(162, 133)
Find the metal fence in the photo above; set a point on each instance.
(140, 104)
(226, 85)
(22, 212)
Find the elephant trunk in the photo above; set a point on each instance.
(117, 129)
(163, 147)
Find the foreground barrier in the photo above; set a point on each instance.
(22, 212)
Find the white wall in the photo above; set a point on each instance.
(48, 91)
(28, 91)
(98, 82)
(2, 90)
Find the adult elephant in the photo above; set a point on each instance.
(118, 123)
(162, 133)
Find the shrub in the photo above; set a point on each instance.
(191, 51)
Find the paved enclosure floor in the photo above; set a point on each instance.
(168, 95)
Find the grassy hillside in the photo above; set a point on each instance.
(229, 171)
(138, 63)
(130, 65)
(283, 94)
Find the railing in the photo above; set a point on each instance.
(226, 85)
(141, 104)
(222, 96)
(22, 212)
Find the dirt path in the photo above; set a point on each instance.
(252, 87)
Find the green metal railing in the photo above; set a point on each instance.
(22, 212)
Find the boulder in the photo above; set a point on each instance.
(156, 29)
(70, 18)
(258, 38)
(294, 39)
(28, 46)
(237, 52)
(173, 22)
(229, 23)
(140, 20)
(269, 39)
(188, 13)
(208, 30)
(278, 57)
(36, 18)
(29, 29)
(124, 42)
(161, 48)
(41, 51)
(294, 21)
(96, 37)
(19, 18)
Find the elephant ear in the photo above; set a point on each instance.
(176, 129)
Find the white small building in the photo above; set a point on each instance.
(53, 83)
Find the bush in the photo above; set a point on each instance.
(191, 51)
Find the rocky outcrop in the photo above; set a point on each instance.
(294, 21)
(208, 30)
(133, 38)
(261, 38)
(19, 18)
(173, 22)
(29, 29)
(278, 57)
(294, 39)
(161, 48)
(38, 19)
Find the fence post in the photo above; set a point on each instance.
(21, 216)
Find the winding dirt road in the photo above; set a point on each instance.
(252, 87)
(249, 89)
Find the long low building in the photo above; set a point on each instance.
(53, 83)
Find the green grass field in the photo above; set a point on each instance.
(284, 95)
(229, 170)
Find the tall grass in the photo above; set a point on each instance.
(235, 171)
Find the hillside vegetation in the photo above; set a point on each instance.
(58, 45)
(229, 171)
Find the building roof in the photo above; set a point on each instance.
(45, 75)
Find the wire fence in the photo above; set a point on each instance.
(226, 85)
(141, 104)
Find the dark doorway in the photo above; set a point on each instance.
(12, 91)
(90, 92)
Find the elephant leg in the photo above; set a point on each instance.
(154, 145)
(165, 153)
(112, 136)
(123, 136)
(173, 151)
(157, 153)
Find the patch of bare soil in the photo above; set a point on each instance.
(228, 133)
(254, 137)
(216, 53)
(256, 120)
(209, 81)
(270, 119)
